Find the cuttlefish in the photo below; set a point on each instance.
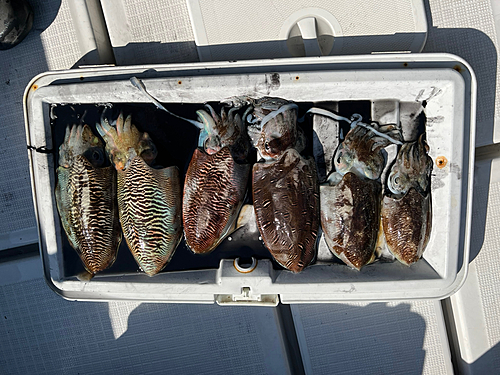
(285, 187)
(350, 200)
(406, 207)
(149, 199)
(216, 180)
(86, 199)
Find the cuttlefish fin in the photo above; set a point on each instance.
(382, 252)
(85, 276)
(246, 215)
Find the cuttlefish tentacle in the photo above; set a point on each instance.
(218, 131)
(392, 133)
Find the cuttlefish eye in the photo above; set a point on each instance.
(95, 156)
(274, 147)
(395, 183)
(369, 172)
(212, 145)
(343, 160)
(148, 156)
(339, 158)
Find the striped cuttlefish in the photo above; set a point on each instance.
(86, 200)
(216, 180)
(149, 199)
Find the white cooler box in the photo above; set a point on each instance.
(446, 83)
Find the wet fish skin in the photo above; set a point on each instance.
(407, 223)
(286, 203)
(350, 214)
(86, 199)
(214, 192)
(149, 199)
(149, 202)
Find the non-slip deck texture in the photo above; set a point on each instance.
(375, 338)
(488, 270)
(51, 44)
(467, 29)
(150, 32)
(44, 334)
(476, 306)
(365, 26)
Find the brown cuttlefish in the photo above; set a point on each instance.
(406, 207)
(149, 199)
(350, 200)
(285, 187)
(216, 180)
(86, 200)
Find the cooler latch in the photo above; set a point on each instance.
(247, 298)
